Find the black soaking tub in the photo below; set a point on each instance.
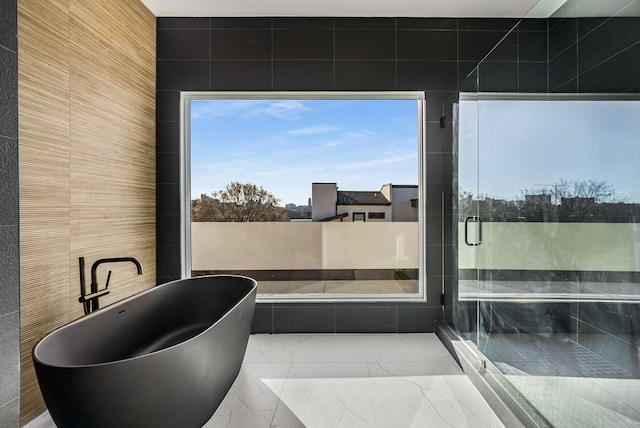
(162, 358)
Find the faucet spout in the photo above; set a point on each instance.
(90, 301)
(94, 268)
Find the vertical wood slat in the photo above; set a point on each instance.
(87, 158)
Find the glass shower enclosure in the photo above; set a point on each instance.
(547, 200)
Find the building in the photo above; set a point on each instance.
(391, 203)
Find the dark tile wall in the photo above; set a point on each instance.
(595, 55)
(278, 54)
(518, 63)
(9, 236)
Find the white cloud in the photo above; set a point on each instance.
(312, 130)
(401, 157)
(281, 109)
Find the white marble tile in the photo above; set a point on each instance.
(433, 401)
(344, 348)
(405, 347)
(326, 395)
(253, 398)
(582, 402)
(272, 348)
(413, 368)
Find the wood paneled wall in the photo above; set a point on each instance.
(87, 159)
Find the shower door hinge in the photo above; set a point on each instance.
(443, 119)
(442, 299)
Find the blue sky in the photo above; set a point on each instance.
(532, 144)
(285, 145)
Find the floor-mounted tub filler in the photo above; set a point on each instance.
(163, 358)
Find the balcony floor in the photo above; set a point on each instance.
(393, 286)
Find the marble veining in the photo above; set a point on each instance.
(350, 380)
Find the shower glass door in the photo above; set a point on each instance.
(557, 280)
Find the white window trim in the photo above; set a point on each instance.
(185, 184)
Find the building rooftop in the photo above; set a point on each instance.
(362, 198)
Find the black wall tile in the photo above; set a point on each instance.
(182, 75)
(168, 167)
(365, 44)
(9, 359)
(186, 23)
(365, 75)
(532, 77)
(587, 24)
(437, 104)
(507, 49)
(9, 219)
(498, 77)
(487, 24)
(168, 230)
(468, 76)
(303, 75)
(563, 68)
(303, 44)
(169, 261)
(427, 75)
(562, 35)
(165, 279)
(532, 46)
(619, 74)
(427, 45)
(9, 25)
(434, 137)
(183, 44)
(167, 109)
(417, 318)
(247, 75)
(9, 91)
(262, 319)
(427, 23)
(365, 318)
(168, 198)
(8, 182)
(529, 24)
(299, 318)
(303, 23)
(241, 44)
(168, 133)
(475, 45)
(246, 23)
(9, 270)
(370, 23)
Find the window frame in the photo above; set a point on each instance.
(185, 182)
(359, 214)
(376, 215)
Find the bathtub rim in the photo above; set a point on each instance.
(121, 302)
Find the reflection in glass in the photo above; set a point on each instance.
(554, 287)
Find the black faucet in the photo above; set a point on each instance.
(90, 301)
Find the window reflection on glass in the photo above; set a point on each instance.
(276, 185)
(556, 185)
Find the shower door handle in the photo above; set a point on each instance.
(475, 219)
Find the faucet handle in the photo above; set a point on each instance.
(106, 285)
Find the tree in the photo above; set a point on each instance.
(576, 200)
(238, 202)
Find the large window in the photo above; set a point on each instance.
(277, 186)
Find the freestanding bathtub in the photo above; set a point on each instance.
(163, 358)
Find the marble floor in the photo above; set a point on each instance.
(351, 380)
